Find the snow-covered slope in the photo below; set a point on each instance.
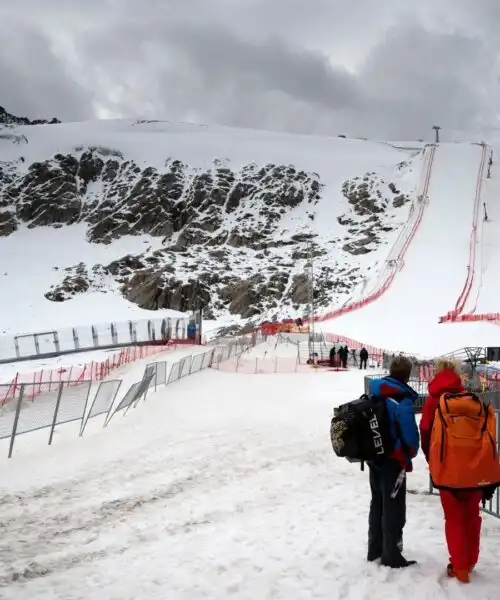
(101, 221)
(406, 317)
(485, 297)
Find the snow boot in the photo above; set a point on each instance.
(461, 574)
(400, 564)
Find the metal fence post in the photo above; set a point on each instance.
(76, 341)
(82, 425)
(16, 420)
(56, 342)
(56, 410)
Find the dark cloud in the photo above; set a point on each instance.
(388, 68)
(34, 80)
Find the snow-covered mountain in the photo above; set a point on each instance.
(98, 220)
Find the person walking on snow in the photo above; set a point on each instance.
(332, 356)
(387, 516)
(363, 358)
(354, 359)
(461, 507)
(345, 356)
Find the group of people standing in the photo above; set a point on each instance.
(466, 472)
(339, 358)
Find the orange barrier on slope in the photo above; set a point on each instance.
(399, 261)
(451, 316)
(485, 317)
(48, 379)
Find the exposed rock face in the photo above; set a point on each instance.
(224, 245)
(7, 118)
(369, 197)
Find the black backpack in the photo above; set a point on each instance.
(360, 430)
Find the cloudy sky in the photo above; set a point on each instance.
(384, 68)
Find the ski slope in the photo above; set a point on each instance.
(222, 486)
(406, 316)
(485, 296)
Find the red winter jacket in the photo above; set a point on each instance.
(447, 381)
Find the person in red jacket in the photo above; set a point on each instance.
(461, 507)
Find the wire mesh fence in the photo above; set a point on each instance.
(98, 335)
(81, 401)
(75, 374)
(261, 365)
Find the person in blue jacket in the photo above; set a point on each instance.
(388, 475)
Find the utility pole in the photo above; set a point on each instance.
(310, 281)
(436, 129)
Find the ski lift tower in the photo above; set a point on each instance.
(310, 282)
(474, 354)
(436, 129)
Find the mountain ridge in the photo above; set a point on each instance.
(235, 235)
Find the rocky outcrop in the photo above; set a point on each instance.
(224, 245)
(7, 118)
(370, 197)
(132, 200)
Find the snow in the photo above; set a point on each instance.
(426, 288)
(406, 317)
(223, 484)
(8, 371)
(23, 307)
(32, 261)
(218, 486)
(485, 297)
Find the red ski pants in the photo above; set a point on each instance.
(462, 526)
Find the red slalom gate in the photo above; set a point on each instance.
(453, 315)
(402, 252)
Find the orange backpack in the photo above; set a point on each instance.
(463, 450)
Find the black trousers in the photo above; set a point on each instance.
(362, 363)
(387, 515)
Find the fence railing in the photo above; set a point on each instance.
(74, 374)
(79, 339)
(261, 365)
(38, 407)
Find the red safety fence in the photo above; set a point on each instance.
(487, 379)
(333, 338)
(266, 366)
(48, 379)
(485, 317)
(426, 372)
(451, 316)
(352, 344)
(406, 239)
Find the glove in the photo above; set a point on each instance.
(488, 492)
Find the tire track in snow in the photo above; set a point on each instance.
(44, 545)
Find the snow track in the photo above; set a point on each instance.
(479, 300)
(395, 259)
(464, 299)
(223, 487)
(407, 315)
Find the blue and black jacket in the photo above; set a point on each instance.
(399, 399)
